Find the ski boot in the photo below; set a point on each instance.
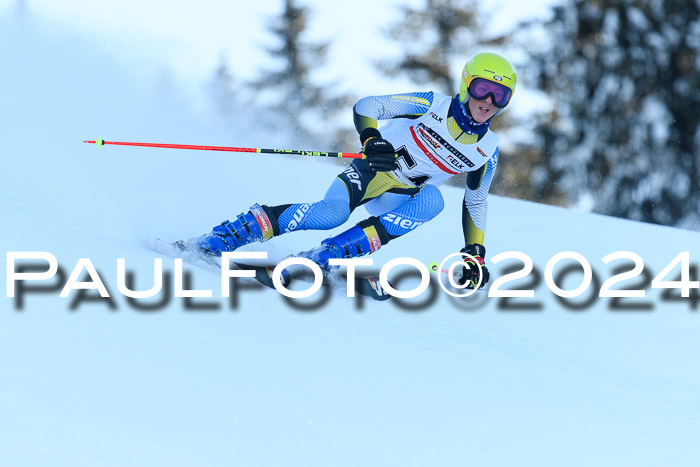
(357, 241)
(248, 227)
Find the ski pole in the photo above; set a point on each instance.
(291, 152)
(435, 267)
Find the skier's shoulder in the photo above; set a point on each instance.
(390, 106)
(416, 98)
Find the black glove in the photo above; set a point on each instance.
(471, 275)
(380, 153)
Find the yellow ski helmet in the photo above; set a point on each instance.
(488, 74)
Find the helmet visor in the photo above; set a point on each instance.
(480, 88)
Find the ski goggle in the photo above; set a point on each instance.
(480, 88)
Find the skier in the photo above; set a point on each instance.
(428, 138)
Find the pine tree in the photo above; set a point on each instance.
(624, 77)
(441, 32)
(300, 105)
(224, 87)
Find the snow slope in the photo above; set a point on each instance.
(262, 382)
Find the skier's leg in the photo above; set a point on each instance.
(371, 234)
(333, 210)
(385, 203)
(355, 186)
(253, 225)
(261, 223)
(416, 211)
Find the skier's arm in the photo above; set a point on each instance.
(369, 110)
(475, 204)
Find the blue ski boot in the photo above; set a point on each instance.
(248, 227)
(357, 241)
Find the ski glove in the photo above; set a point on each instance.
(471, 276)
(379, 152)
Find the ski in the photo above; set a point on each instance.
(263, 274)
(369, 287)
(372, 288)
